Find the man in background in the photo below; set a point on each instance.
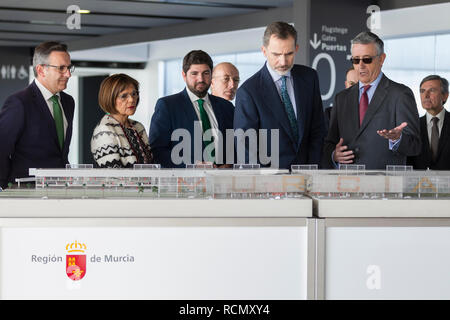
(184, 110)
(36, 123)
(225, 81)
(434, 126)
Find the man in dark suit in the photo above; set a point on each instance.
(198, 119)
(434, 126)
(374, 123)
(283, 100)
(36, 123)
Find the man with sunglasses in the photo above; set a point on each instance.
(36, 123)
(376, 122)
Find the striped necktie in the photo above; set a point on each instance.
(289, 108)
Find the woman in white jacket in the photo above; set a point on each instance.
(117, 141)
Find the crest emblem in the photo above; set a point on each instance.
(76, 261)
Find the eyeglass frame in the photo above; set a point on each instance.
(124, 96)
(70, 67)
(364, 58)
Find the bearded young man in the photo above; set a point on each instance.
(187, 110)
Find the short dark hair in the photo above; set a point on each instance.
(348, 70)
(444, 83)
(281, 30)
(111, 87)
(43, 50)
(367, 37)
(196, 57)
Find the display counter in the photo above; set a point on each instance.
(156, 249)
(383, 249)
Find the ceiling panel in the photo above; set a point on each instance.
(28, 22)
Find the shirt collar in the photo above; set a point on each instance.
(374, 83)
(194, 98)
(45, 92)
(275, 75)
(440, 116)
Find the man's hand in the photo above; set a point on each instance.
(342, 156)
(393, 134)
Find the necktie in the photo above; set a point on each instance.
(57, 115)
(434, 138)
(206, 125)
(363, 104)
(288, 107)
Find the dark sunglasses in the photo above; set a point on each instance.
(367, 60)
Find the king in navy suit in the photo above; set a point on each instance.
(36, 123)
(190, 127)
(284, 99)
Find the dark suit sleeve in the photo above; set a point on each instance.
(160, 135)
(12, 123)
(406, 111)
(317, 133)
(245, 117)
(332, 138)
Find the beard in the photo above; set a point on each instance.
(199, 93)
(282, 71)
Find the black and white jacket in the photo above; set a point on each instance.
(109, 145)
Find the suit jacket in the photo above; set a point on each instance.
(177, 112)
(423, 160)
(259, 106)
(391, 104)
(28, 134)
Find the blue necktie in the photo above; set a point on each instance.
(289, 109)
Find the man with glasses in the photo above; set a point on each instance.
(225, 81)
(374, 123)
(36, 123)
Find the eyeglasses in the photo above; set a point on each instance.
(62, 69)
(227, 79)
(124, 96)
(366, 60)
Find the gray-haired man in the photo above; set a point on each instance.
(375, 122)
(36, 123)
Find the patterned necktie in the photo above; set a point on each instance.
(434, 138)
(206, 125)
(288, 107)
(59, 123)
(363, 104)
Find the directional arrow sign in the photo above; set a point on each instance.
(316, 43)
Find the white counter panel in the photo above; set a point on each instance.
(168, 259)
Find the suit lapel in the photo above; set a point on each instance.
(375, 103)
(68, 113)
(444, 136)
(424, 137)
(300, 85)
(351, 110)
(273, 101)
(41, 104)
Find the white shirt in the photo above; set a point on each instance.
(289, 85)
(440, 124)
(212, 118)
(47, 95)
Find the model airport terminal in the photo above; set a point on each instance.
(241, 182)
